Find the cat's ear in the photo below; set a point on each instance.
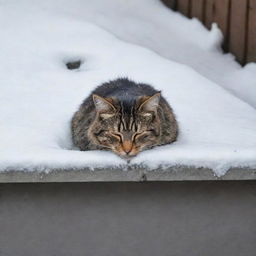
(151, 103)
(101, 104)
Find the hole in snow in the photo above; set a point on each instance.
(73, 64)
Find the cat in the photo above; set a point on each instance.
(124, 117)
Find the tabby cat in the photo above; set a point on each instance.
(124, 117)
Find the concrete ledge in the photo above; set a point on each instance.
(181, 173)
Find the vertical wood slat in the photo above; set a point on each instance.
(218, 11)
(197, 9)
(183, 6)
(221, 17)
(221, 14)
(238, 24)
(209, 4)
(251, 46)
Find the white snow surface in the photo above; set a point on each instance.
(213, 97)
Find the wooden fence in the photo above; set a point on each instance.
(235, 18)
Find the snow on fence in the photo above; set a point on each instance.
(235, 18)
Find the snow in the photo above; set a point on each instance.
(213, 97)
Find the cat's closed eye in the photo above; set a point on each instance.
(118, 136)
(141, 136)
(153, 131)
(144, 136)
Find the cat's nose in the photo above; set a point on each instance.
(127, 146)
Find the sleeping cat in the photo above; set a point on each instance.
(124, 117)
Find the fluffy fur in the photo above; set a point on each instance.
(124, 117)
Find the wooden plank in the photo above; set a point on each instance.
(197, 9)
(251, 45)
(217, 11)
(238, 24)
(183, 6)
(209, 4)
(221, 13)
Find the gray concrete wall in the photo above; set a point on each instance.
(126, 219)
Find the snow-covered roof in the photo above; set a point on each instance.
(214, 98)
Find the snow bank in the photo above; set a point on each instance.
(39, 95)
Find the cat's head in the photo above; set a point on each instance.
(126, 127)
